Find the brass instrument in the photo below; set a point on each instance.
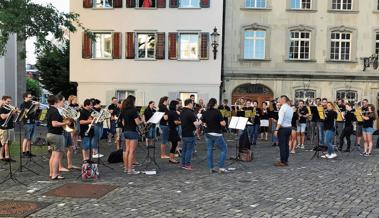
(71, 115)
(144, 128)
(12, 110)
(321, 112)
(98, 117)
(339, 112)
(358, 113)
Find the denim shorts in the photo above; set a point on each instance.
(369, 130)
(86, 143)
(29, 131)
(359, 130)
(131, 135)
(164, 136)
(152, 132)
(301, 127)
(68, 139)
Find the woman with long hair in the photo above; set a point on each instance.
(162, 106)
(147, 114)
(265, 118)
(368, 129)
(293, 139)
(173, 135)
(131, 120)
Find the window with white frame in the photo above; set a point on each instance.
(146, 44)
(146, 3)
(348, 95)
(300, 45)
(189, 3)
(377, 42)
(254, 44)
(301, 4)
(122, 94)
(102, 45)
(103, 3)
(344, 5)
(255, 3)
(302, 94)
(340, 47)
(189, 46)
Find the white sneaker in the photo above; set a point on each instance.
(302, 146)
(334, 155)
(134, 172)
(223, 170)
(325, 156)
(297, 146)
(97, 156)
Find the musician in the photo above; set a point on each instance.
(330, 129)
(73, 103)
(29, 125)
(131, 120)
(173, 135)
(315, 119)
(98, 130)
(147, 114)
(6, 129)
(303, 115)
(119, 135)
(264, 118)
(115, 111)
(256, 120)
(349, 117)
(368, 129)
(214, 124)
(294, 124)
(55, 136)
(85, 120)
(189, 123)
(225, 107)
(340, 122)
(163, 103)
(359, 130)
(274, 115)
(199, 110)
(320, 123)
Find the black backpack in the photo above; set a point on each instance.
(116, 156)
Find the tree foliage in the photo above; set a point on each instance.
(28, 19)
(33, 87)
(53, 64)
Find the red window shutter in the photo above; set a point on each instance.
(116, 53)
(130, 46)
(161, 3)
(172, 46)
(174, 3)
(86, 46)
(161, 44)
(117, 3)
(130, 3)
(87, 4)
(204, 46)
(205, 3)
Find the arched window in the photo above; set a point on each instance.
(301, 94)
(347, 95)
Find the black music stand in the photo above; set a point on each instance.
(237, 123)
(99, 160)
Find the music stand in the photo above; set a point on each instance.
(237, 123)
(150, 158)
(99, 160)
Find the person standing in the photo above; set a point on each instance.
(264, 122)
(29, 125)
(368, 129)
(349, 117)
(7, 136)
(214, 123)
(115, 111)
(85, 120)
(283, 130)
(173, 135)
(163, 103)
(294, 123)
(147, 114)
(330, 129)
(274, 115)
(303, 115)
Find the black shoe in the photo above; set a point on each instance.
(339, 148)
(32, 155)
(24, 155)
(274, 145)
(10, 160)
(346, 150)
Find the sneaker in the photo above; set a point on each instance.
(298, 146)
(366, 154)
(95, 156)
(293, 152)
(325, 156)
(334, 155)
(274, 145)
(363, 154)
(134, 172)
(188, 167)
(137, 164)
(302, 147)
(212, 171)
(32, 155)
(223, 170)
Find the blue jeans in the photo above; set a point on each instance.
(29, 130)
(253, 132)
(273, 128)
(164, 136)
(221, 144)
(329, 136)
(98, 132)
(321, 136)
(188, 144)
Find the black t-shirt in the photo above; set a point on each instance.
(295, 117)
(212, 117)
(330, 117)
(148, 113)
(257, 118)
(10, 124)
(265, 115)
(370, 122)
(315, 115)
(75, 106)
(30, 118)
(129, 115)
(84, 115)
(274, 114)
(303, 111)
(188, 117)
(163, 109)
(349, 119)
(54, 115)
(172, 117)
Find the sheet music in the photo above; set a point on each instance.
(156, 118)
(233, 123)
(238, 123)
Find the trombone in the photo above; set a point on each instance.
(11, 109)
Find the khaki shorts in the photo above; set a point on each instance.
(7, 136)
(117, 136)
(56, 142)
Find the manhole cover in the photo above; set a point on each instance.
(244, 181)
(76, 190)
(20, 208)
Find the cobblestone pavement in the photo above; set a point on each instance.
(344, 187)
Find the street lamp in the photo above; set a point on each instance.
(215, 38)
(367, 61)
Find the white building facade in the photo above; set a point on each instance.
(146, 48)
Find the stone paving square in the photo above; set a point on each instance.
(9, 208)
(77, 190)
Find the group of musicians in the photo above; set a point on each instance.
(181, 124)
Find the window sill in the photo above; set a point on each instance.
(194, 8)
(141, 59)
(189, 60)
(102, 59)
(103, 9)
(146, 8)
(340, 62)
(254, 60)
(343, 11)
(300, 60)
(255, 9)
(302, 10)
(375, 11)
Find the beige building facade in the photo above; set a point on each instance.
(300, 48)
(148, 49)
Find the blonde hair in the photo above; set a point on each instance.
(71, 99)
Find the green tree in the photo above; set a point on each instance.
(28, 19)
(53, 64)
(34, 87)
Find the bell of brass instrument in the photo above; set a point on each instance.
(72, 117)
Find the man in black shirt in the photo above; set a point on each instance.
(85, 120)
(147, 114)
(349, 117)
(119, 136)
(303, 116)
(214, 123)
(115, 111)
(6, 129)
(189, 123)
(226, 109)
(55, 136)
(29, 125)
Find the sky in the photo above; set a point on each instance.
(61, 5)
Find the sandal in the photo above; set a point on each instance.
(58, 178)
(173, 161)
(74, 168)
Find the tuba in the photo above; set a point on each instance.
(71, 116)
